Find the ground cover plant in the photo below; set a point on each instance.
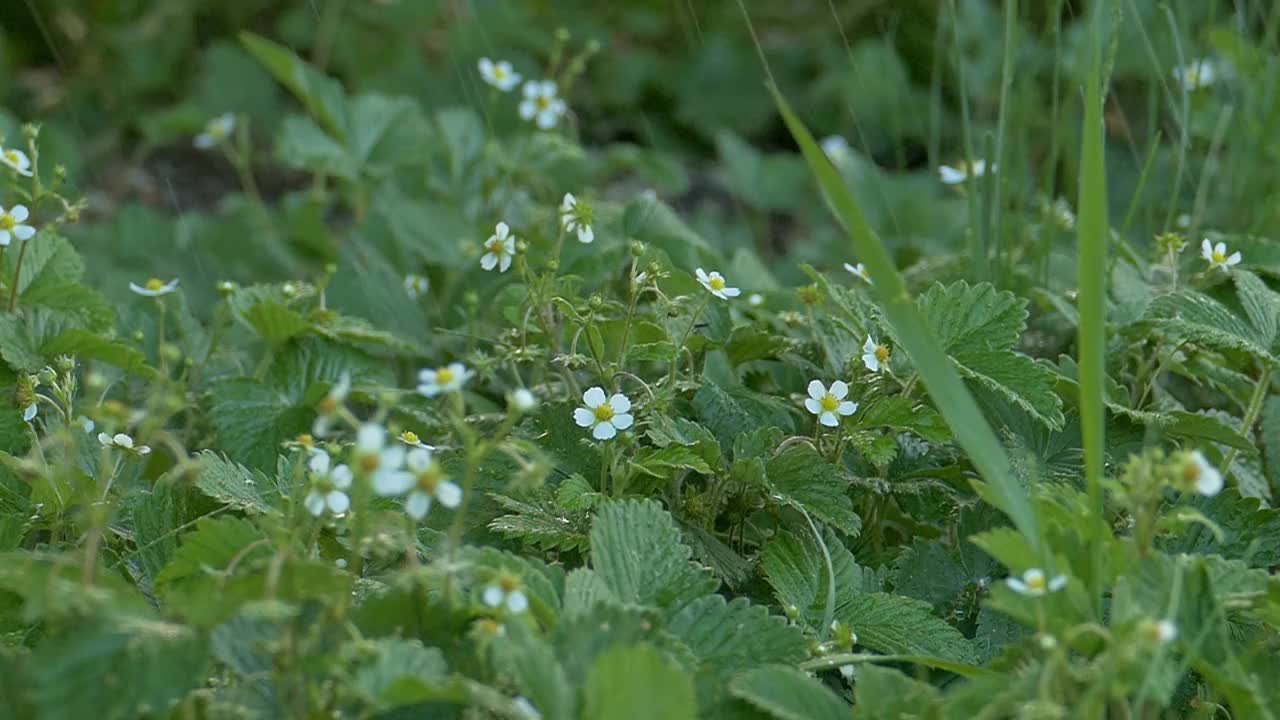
(526, 360)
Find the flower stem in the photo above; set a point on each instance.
(17, 275)
(1251, 414)
(675, 359)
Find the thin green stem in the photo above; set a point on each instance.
(1250, 414)
(17, 277)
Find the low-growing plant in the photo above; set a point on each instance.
(462, 421)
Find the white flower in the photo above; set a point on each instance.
(499, 249)
(835, 147)
(416, 285)
(1200, 476)
(1217, 255)
(1033, 583)
(17, 160)
(715, 284)
(1161, 632)
(829, 405)
(874, 355)
(964, 171)
(859, 271)
(155, 287)
(1183, 221)
(447, 379)
(1195, 75)
(541, 104)
(755, 299)
(410, 438)
(576, 217)
(506, 592)
(328, 486)
(216, 131)
(120, 441)
(604, 415)
(425, 482)
(499, 74)
(524, 400)
(86, 423)
(12, 225)
(331, 404)
(374, 459)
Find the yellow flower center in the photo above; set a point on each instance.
(370, 462)
(444, 376)
(544, 102)
(154, 284)
(716, 282)
(509, 583)
(429, 479)
(1219, 257)
(7, 222)
(882, 353)
(1191, 473)
(829, 403)
(1036, 583)
(410, 437)
(604, 413)
(329, 405)
(305, 440)
(499, 72)
(12, 156)
(494, 245)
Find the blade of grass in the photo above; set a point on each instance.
(994, 224)
(998, 485)
(1092, 255)
(977, 241)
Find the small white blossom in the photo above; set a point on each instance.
(955, 175)
(859, 271)
(755, 299)
(715, 284)
(374, 459)
(576, 217)
(216, 131)
(506, 592)
(604, 415)
(1200, 476)
(12, 225)
(874, 355)
(499, 74)
(524, 400)
(155, 287)
(1197, 74)
(1161, 632)
(835, 147)
(86, 423)
(415, 286)
(499, 249)
(829, 405)
(447, 379)
(17, 160)
(120, 441)
(1034, 583)
(328, 485)
(541, 104)
(425, 483)
(29, 412)
(1217, 255)
(330, 405)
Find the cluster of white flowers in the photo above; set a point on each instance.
(541, 103)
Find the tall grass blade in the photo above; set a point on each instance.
(999, 486)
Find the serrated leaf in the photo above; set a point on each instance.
(897, 625)
(1191, 316)
(901, 413)
(322, 96)
(797, 570)
(253, 419)
(236, 485)
(882, 693)
(541, 523)
(638, 683)
(732, 411)
(661, 462)
(583, 590)
(801, 476)
(90, 346)
(787, 694)
(16, 346)
(727, 636)
(636, 551)
(401, 672)
(1250, 532)
(212, 547)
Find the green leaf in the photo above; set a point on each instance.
(978, 327)
(266, 310)
(235, 485)
(886, 694)
(302, 144)
(662, 462)
(16, 346)
(896, 625)
(541, 522)
(729, 412)
(214, 545)
(1250, 532)
(732, 635)
(252, 420)
(636, 551)
(973, 433)
(401, 672)
(322, 96)
(1191, 316)
(797, 570)
(787, 694)
(801, 476)
(638, 683)
(89, 346)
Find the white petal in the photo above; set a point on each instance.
(548, 88)
(547, 119)
(517, 602)
(586, 235)
(813, 406)
(122, 440)
(847, 408)
(1058, 583)
(392, 483)
(319, 462)
(594, 397)
(528, 108)
(531, 89)
(817, 390)
(1220, 248)
(204, 141)
(486, 67)
(449, 494)
(1016, 585)
(622, 421)
(829, 419)
(105, 439)
(702, 275)
(314, 503)
(392, 458)
(341, 477)
(426, 376)
(950, 175)
(620, 403)
(29, 412)
(584, 417)
(338, 502)
(871, 361)
(4, 240)
(19, 213)
(1235, 258)
(371, 437)
(604, 431)
(839, 389)
(501, 230)
(429, 389)
(731, 292)
(417, 505)
(504, 264)
(568, 203)
(493, 596)
(143, 450)
(418, 460)
(1206, 249)
(488, 261)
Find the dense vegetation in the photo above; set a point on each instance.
(639, 360)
